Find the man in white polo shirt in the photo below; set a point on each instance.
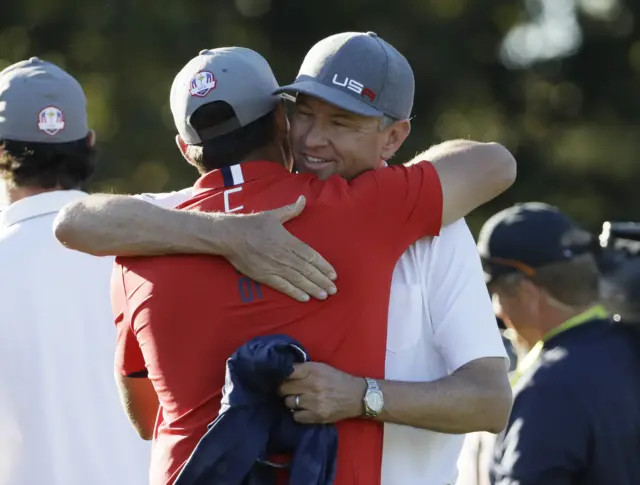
(59, 418)
(442, 342)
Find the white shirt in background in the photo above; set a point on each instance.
(56, 359)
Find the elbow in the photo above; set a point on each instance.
(497, 409)
(506, 169)
(68, 228)
(63, 227)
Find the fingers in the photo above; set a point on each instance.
(289, 388)
(290, 211)
(283, 286)
(310, 269)
(290, 402)
(306, 417)
(299, 412)
(300, 371)
(296, 269)
(317, 264)
(315, 276)
(324, 271)
(301, 282)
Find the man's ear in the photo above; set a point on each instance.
(282, 122)
(396, 134)
(182, 146)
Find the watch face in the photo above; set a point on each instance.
(375, 401)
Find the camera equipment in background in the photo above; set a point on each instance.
(618, 254)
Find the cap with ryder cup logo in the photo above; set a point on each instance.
(236, 75)
(527, 236)
(41, 103)
(358, 72)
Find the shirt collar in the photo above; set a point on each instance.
(36, 206)
(594, 313)
(239, 174)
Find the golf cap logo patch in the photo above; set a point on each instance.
(202, 84)
(51, 120)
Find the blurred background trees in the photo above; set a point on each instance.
(557, 81)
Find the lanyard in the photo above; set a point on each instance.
(532, 357)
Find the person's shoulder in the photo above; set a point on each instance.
(454, 239)
(457, 231)
(596, 351)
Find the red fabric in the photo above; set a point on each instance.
(188, 314)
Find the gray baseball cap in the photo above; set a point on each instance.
(41, 103)
(236, 75)
(358, 72)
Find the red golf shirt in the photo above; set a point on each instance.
(180, 317)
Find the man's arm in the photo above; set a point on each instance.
(137, 395)
(471, 399)
(140, 402)
(471, 174)
(256, 244)
(476, 396)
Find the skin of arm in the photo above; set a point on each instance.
(471, 174)
(476, 397)
(119, 225)
(140, 402)
(257, 244)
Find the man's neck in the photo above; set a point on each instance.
(555, 316)
(272, 153)
(14, 194)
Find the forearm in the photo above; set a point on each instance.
(471, 173)
(443, 150)
(463, 402)
(105, 225)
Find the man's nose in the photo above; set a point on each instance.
(316, 136)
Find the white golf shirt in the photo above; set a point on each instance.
(440, 318)
(61, 421)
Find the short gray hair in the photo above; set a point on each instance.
(385, 122)
(573, 283)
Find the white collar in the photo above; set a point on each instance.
(37, 205)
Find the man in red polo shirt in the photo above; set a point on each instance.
(180, 317)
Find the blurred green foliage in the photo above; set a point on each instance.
(557, 81)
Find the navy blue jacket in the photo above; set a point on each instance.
(254, 424)
(576, 416)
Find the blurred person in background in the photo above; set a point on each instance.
(620, 293)
(59, 419)
(442, 338)
(477, 450)
(576, 411)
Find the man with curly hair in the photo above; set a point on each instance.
(56, 351)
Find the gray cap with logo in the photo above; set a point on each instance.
(236, 75)
(41, 103)
(358, 72)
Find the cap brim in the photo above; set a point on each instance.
(332, 96)
(493, 271)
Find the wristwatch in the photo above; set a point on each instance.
(373, 399)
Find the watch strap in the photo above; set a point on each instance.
(372, 387)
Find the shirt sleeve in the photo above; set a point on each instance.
(167, 200)
(129, 361)
(464, 325)
(404, 203)
(546, 441)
